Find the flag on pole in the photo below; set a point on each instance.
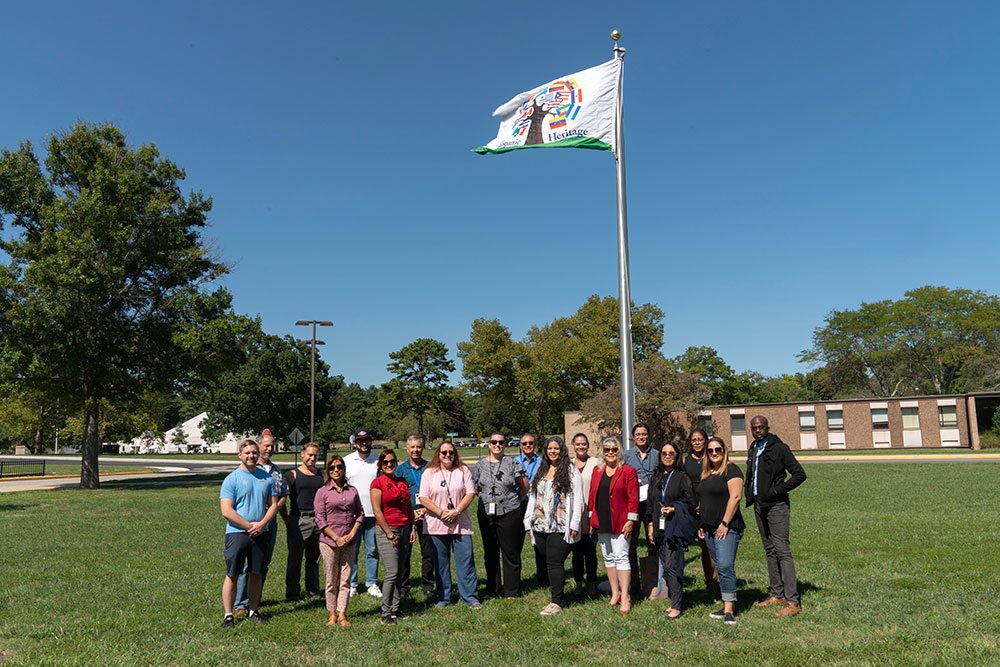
(574, 111)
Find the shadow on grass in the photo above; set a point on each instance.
(184, 481)
(13, 507)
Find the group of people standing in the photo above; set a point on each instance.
(564, 500)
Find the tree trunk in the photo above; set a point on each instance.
(535, 129)
(37, 448)
(420, 424)
(89, 472)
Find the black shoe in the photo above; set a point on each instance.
(291, 598)
(730, 619)
(388, 620)
(257, 616)
(228, 621)
(718, 615)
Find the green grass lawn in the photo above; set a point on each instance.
(897, 565)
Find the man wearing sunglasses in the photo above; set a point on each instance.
(362, 469)
(766, 488)
(529, 461)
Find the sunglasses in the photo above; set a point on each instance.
(715, 450)
(388, 462)
(670, 454)
(496, 442)
(608, 450)
(527, 442)
(337, 466)
(447, 452)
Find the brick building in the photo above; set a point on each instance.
(954, 420)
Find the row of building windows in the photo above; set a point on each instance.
(947, 418)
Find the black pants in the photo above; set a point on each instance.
(639, 528)
(584, 556)
(672, 562)
(503, 536)
(426, 564)
(554, 546)
(541, 570)
(303, 539)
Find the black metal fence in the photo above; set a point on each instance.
(31, 468)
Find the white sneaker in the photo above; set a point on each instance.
(551, 609)
(375, 591)
(354, 591)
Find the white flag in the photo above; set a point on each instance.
(575, 111)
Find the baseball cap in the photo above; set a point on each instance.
(362, 434)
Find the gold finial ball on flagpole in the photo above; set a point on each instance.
(615, 35)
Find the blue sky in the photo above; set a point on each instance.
(784, 158)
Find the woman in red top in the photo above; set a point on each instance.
(395, 534)
(614, 509)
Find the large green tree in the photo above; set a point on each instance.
(531, 382)
(421, 383)
(102, 295)
(269, 389)
(935, 340)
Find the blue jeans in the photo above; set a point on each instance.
(724, 556)
(242, 596)
(465, 567)
(368, 528)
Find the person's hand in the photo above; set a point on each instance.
(627, 531)
(573, 533)
(255, 529)
(668, 510)
(449, 516)
(721, 532)
(649, 532)
(393, 540)
(419, 513)
(413, 534)
(593, 534)
(701, 534)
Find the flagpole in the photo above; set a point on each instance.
(624, 300)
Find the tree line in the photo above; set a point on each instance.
(112, 325)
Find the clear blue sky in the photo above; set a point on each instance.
(784, 158)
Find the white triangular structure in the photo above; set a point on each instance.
(147, 443)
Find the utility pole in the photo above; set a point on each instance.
(312, 377)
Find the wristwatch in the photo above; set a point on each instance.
(726, 524)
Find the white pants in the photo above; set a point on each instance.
(614, 549)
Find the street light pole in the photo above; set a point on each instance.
(312, 376)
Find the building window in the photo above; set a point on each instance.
(835, 420)
(807, 421)
(911, 418)
(739, 424)
(705, 423)
(947, 416)
(880, 418)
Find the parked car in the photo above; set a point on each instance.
(514, 442)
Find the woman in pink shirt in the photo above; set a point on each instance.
(446, 491)
(338, 516)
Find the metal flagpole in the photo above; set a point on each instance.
(624, 300)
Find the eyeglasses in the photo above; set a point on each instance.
(715, 450)
(496, 442)
(389, 463)
(447, 452)
(608, 450)
(669, 454)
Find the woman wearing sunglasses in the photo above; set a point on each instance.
(553, 514)
(446, 491)
(501, 482)
(395, 533)
(692, 466)
(721, 522)
(338, 515)
(614, 508)
(670, 522)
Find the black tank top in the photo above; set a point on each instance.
(303, 490)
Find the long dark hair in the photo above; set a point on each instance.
(662, 471)
(704, 437)
(561, 482)
(381, 460)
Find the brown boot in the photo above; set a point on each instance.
(333, 619)
(789, 609)
(771, 600)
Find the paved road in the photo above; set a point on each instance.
(180, 467)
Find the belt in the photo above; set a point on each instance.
(301, 513)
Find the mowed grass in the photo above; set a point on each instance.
(897, 564)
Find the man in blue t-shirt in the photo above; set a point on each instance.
(247, 499)
(412, 469)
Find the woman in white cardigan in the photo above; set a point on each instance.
(553, 515)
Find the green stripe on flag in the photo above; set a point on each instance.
(569, 142)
